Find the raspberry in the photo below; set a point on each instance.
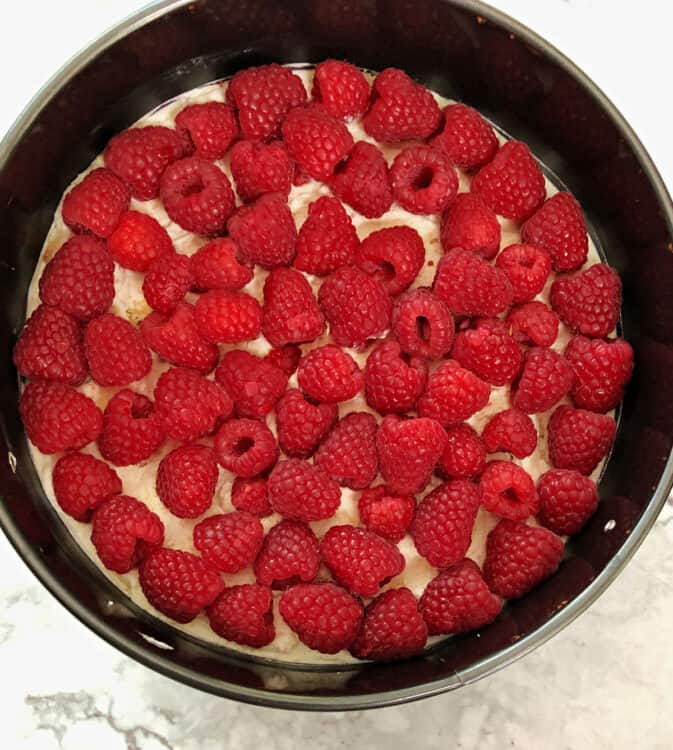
(423, 180)
(423, 324)
(470, 225)
(50, 347)
(178, 583)
(140, 155)
(363, 181)
(348, 453)
(489, 351)
(393, 256)
(139, 240)
(466, 137)
(401, 109)
(291, 313)
(186, 480)
(533, 323)
(208, 129)
(464, 456)
(252, 496)
(590, 302)
(227, 317)
(96, 203)
(356, 306)
(265, 231)
(189, 405)
(167, 280)
(58, 418)
(601, 370)
(218, 265)
(442, 526)
(558, 227)
(115, 351)
(329, 374)
(387, 515)
(259, 168)
(290, 554)
(229, 542)
(393, 381)
(458, 600)
(81, 483)
(244, 614)
(341, 88)
(545, 379)
(253, 383)
(301, 424)
(124, 531)
(285, 358)
(508, 491)
(79, 279)
(527, 267)
(511, 431)
(579, 439)
(197, 195)
(245, 447)
(469, 285)
(132, 430)
(302, 492)
(324, 616)
(408, 452)
(567, 500)
(453, 394)
(518, 557)
(327, 238)
(512, 183)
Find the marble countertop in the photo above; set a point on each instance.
(604, 682)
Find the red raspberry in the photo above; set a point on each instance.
(545, 379)
(510, 431)
(79, 279)
(302, 424)
(393, 256)
(363, 181)
(558, 226)
(139, 240)
(533, 323)
(508, 491)
(115, 351)
(408, 453)
(601, 369)
(329, 374)
(341, 88)
(567, 500)
(132, 430)
(208, 129)
(512, 184)
(423, 180)
(579, 439)
(423, 324)
(327, 238)
(302, 492)
(489, 351)
(348, 453)
(518, 557)
(218, 265)
(393, 381)
(259, 168)
(228, 317)
(265, 231)
(356, 306)
(96, 203)
(81, 483)
(290, 554)
(291, 313)
(402, 109)
(140, 155)
(186, 480)
(167, 281)
(50, 347)
(124, 531)
(466, 137)
(453, 394)
(387, 515)
(464, 456)
(469, 285)
(263, 96)
(253, 383)
(178, 583)
(244, 614)
(470, 225)
(245, 447)
(392, 628)
(229, 542)
(458, 600)
(252, 496)
(58, 418)
(527, 267)
(286, 358)
(299, 177)
(324, 616)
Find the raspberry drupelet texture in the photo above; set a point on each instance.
(329, 374)
(245, 447)
(545, 379)
(259, 168)
(453, 394)
(167, 281)
(224, 317)
(219, 265)
(579, 439)
(132, 429)
(251, 495)
(533, 323)
(387, 515)
(82, 482)
(423, 324)
(341, 88)
(466, 137)
(289, 555)
(253, 384)
(423, 180)
(469, 224)
(393, 256)
(488, 351)
(96, 203)
(511, 431)
(115, 351)
(393, 380)
(302, 424)
(186, 480)
(508, 491)
(348, 453)
(302, 492)
(527, 267)
(243, 614)
(567, 500)
(464, 456)
(138, 241)
(363, 181)
(208, 129)
(229, 542)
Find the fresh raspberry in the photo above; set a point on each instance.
(329, 374)
(58, 418)
(510, 431)
(291, 313)
(263, 96)
(401, 110)
(208, 129)
(302, 492)
(590, 302)
(132, 430)
(289, 555)
(81, 483)
(139, 240)
(363, 181)
(408, 452)
(140, 155)
(259, 168)
(115, 351)
(50, 347)
(470, 225)
(348, 453)
(229, 542)
(393, 256)
(469, 285)
(96, 203)
(245, 447)
(579, 439)
(464, 456)
(533, 323)
(466, 137)
(228, 317)
(124, 531)
(252, 496)
(453, 394)
(393, 381)
(527, 267)
(545, 379)
(387, 515)
(601, 370)
(518, 557)
(302, 424)
(489, 351)
(285, 358)
(356, 306)
(341, 88)
(327, 238)
(244, 614)
(324, 616)
(567, 500)
(458, 600)
(167, 280)
(265, 231)
(178, 583)
(508, 491)
(253, 383)
(79, 279)
(423, 324)
(299, 176)
(186, 480)
(423, 180)
(558, 226)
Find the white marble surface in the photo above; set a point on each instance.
(604, 682)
